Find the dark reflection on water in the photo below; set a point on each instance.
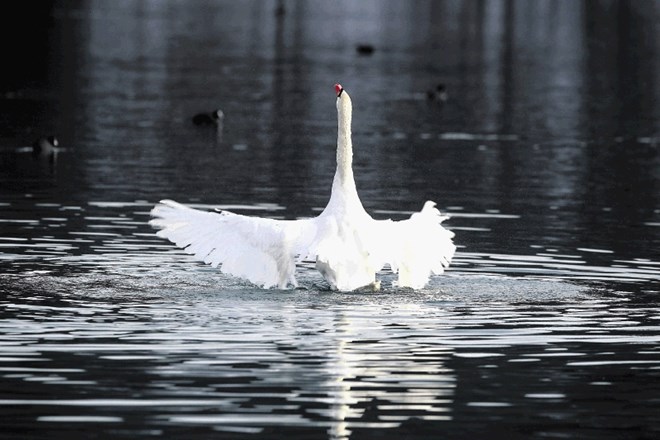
(545, 153)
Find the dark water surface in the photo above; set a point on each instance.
(546, 155)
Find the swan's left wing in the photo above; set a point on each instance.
(260, 250)
(416, 247)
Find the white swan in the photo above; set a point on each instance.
(348, 246)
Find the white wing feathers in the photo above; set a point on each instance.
(417, 247)
(260, 250)
(264, 251)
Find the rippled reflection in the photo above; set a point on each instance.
(161, 354)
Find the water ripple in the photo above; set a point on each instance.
(247, 361)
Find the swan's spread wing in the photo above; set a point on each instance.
(260, 250)
(416, 247)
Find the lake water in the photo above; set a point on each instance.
(545, 154)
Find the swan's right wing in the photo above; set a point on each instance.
(416, 247)
(260, 250)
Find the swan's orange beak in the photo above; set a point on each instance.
(338, 89)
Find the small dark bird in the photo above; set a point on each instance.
(438, 94)
(45, 147)
(213, 118)
(365, 49)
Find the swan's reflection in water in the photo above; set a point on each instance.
(381, 375)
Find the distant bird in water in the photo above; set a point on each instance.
(438, 94)
(45, 147)
(214, 118)
(365, 49)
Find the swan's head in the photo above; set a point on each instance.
(344, 104)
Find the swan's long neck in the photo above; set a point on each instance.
(344, 192)
(344, 142)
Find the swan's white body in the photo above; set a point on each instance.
(349, 246)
